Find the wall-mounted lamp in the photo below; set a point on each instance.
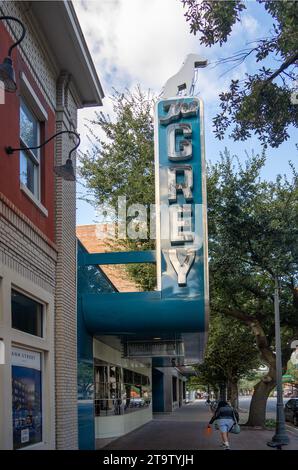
(7, 74)
(66, 171)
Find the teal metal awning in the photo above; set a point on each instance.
(140, 316)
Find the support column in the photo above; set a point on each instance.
(66, 312)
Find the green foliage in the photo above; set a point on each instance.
(120, 163)
(196, 382)
(121, 159)
(260, 103)
(250, 380)
(231, 352)
(213, 19)
(270, 424)
(253, 232)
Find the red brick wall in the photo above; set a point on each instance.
(9, 136)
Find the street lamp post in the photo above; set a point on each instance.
(280, 437)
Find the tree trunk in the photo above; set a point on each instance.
(257, 410)
(229, 389)
(222, 391)
(233, 393)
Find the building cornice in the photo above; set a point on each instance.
(60, 25)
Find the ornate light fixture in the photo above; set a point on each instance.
(7, 73)
(66, 171)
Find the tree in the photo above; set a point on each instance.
(261, 102)
(120, 163)
(252, 224)
(253, 232)
(248, 382)
(231, 353)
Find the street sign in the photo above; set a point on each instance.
(287, 378)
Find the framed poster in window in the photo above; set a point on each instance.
(26, 397)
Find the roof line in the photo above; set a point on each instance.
(83, 45)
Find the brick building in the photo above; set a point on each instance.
(117, 274)
(55, 76)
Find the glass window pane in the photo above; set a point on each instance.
(28, 172)
(26, 314)
(23, 168)
(26, 397)
(28, 127)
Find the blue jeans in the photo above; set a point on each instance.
(225, 424)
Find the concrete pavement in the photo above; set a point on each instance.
(185, 429)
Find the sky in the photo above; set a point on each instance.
(145, 42)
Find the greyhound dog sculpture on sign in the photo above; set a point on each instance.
(184, 78)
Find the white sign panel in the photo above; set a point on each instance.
(25, 358)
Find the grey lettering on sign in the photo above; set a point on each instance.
(180, 224)
(177, 110)
(182, 268)
(185, 188)
(185, 146)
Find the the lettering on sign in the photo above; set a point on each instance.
(180, 180)
(179, 109)
(185, 146)
(180, 224)
(182, 268)
(174, 187)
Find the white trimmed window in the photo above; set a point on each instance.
(29, 159)
(32, 116)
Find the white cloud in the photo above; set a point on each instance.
(136, 40)
(250, 24)
(146, 41)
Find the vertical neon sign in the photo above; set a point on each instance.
(181, 198)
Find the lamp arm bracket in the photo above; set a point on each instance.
(12, 18)
(9, 150)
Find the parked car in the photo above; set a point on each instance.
(291, 411)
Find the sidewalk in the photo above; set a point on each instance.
(184, 429)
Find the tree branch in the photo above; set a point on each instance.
(284, 66)
(238, 314)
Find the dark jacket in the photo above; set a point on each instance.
(225, 412)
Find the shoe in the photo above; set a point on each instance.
(226, 447)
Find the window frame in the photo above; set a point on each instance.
(35, 158)
(32, 101)
(43, 314)
(110, 406)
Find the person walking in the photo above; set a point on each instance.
(226, 416)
